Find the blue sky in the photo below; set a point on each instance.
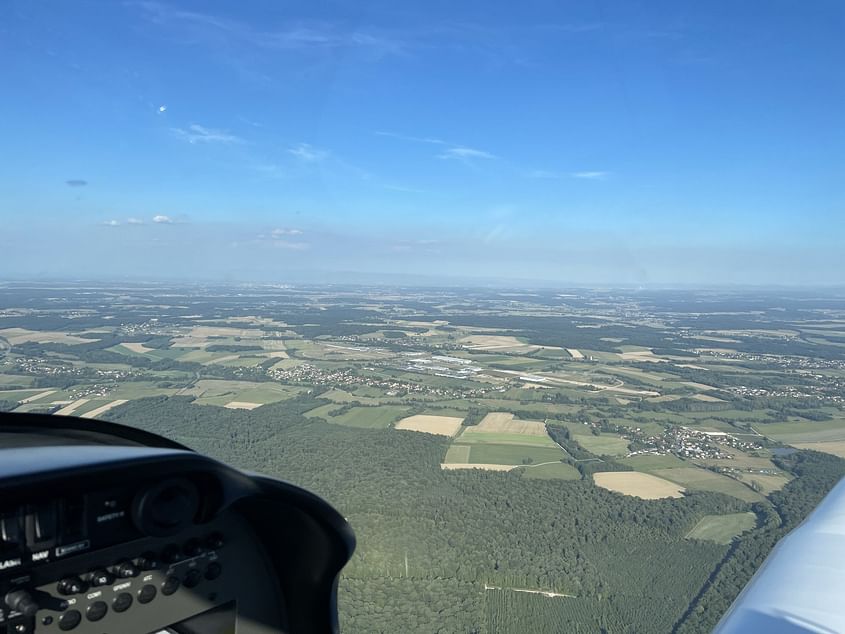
(672, 142)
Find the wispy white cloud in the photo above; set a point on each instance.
(597, 175)
(308, 153)
(414, 139)
(134, 221)
(163, 220)
(310, 36)
(278, 233)
(196, 133)
(585, 175)
(452, 151)
(462, 153)
(112, 223)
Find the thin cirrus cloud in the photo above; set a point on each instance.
(308, 153)
(279, 233)
(452, 151)
(583, 175)
(134, 221)
(196, 133)
(304, 37)
(462, 153)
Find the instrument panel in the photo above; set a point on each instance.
(110, 539)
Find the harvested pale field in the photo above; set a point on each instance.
(242, 405)
(440, 425)
(201, 336)
(16, 336)
(37, 397)
(486, 467)
(502, 422)
(707, 398)
(70, 409)
(835, 447)
(276, 354)
(639, 355)
(575, 354)
(496, 342)
(104, 408)
(140, 348)
(641, 485)
(228, 357)
(698, 386)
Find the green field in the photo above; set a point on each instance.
(322, 411)
(805, 431)
(652, 462)
(457, 454)
(474, 436)
(512, 454)
(369, 417)
(553, 471)
(722, 528)
(604, 444)
(705, 480)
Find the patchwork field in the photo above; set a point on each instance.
(835, 447)
(648, 462)
(641, 485)
(501, 422)
(368, 417)
(16, 336)
(705, 480)
(499, 343)
(603, 444)
(722, 528)
(440, 425)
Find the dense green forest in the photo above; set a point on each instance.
(431, 540)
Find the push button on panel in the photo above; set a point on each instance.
(96, 611)
(69, 620)
(193, 578)
(170, 585)
(147, 594)
(122, 602)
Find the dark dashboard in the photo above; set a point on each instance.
(106, 529)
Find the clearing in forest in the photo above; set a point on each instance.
(486, 467)
(440, 425)
(139, 348)
(242, 405)
(641, 485)
(722, 528)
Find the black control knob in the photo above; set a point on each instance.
(71, 585)
(147, 561)
(101, 578)
(21, 601)
(166, 508)
(126, 570)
